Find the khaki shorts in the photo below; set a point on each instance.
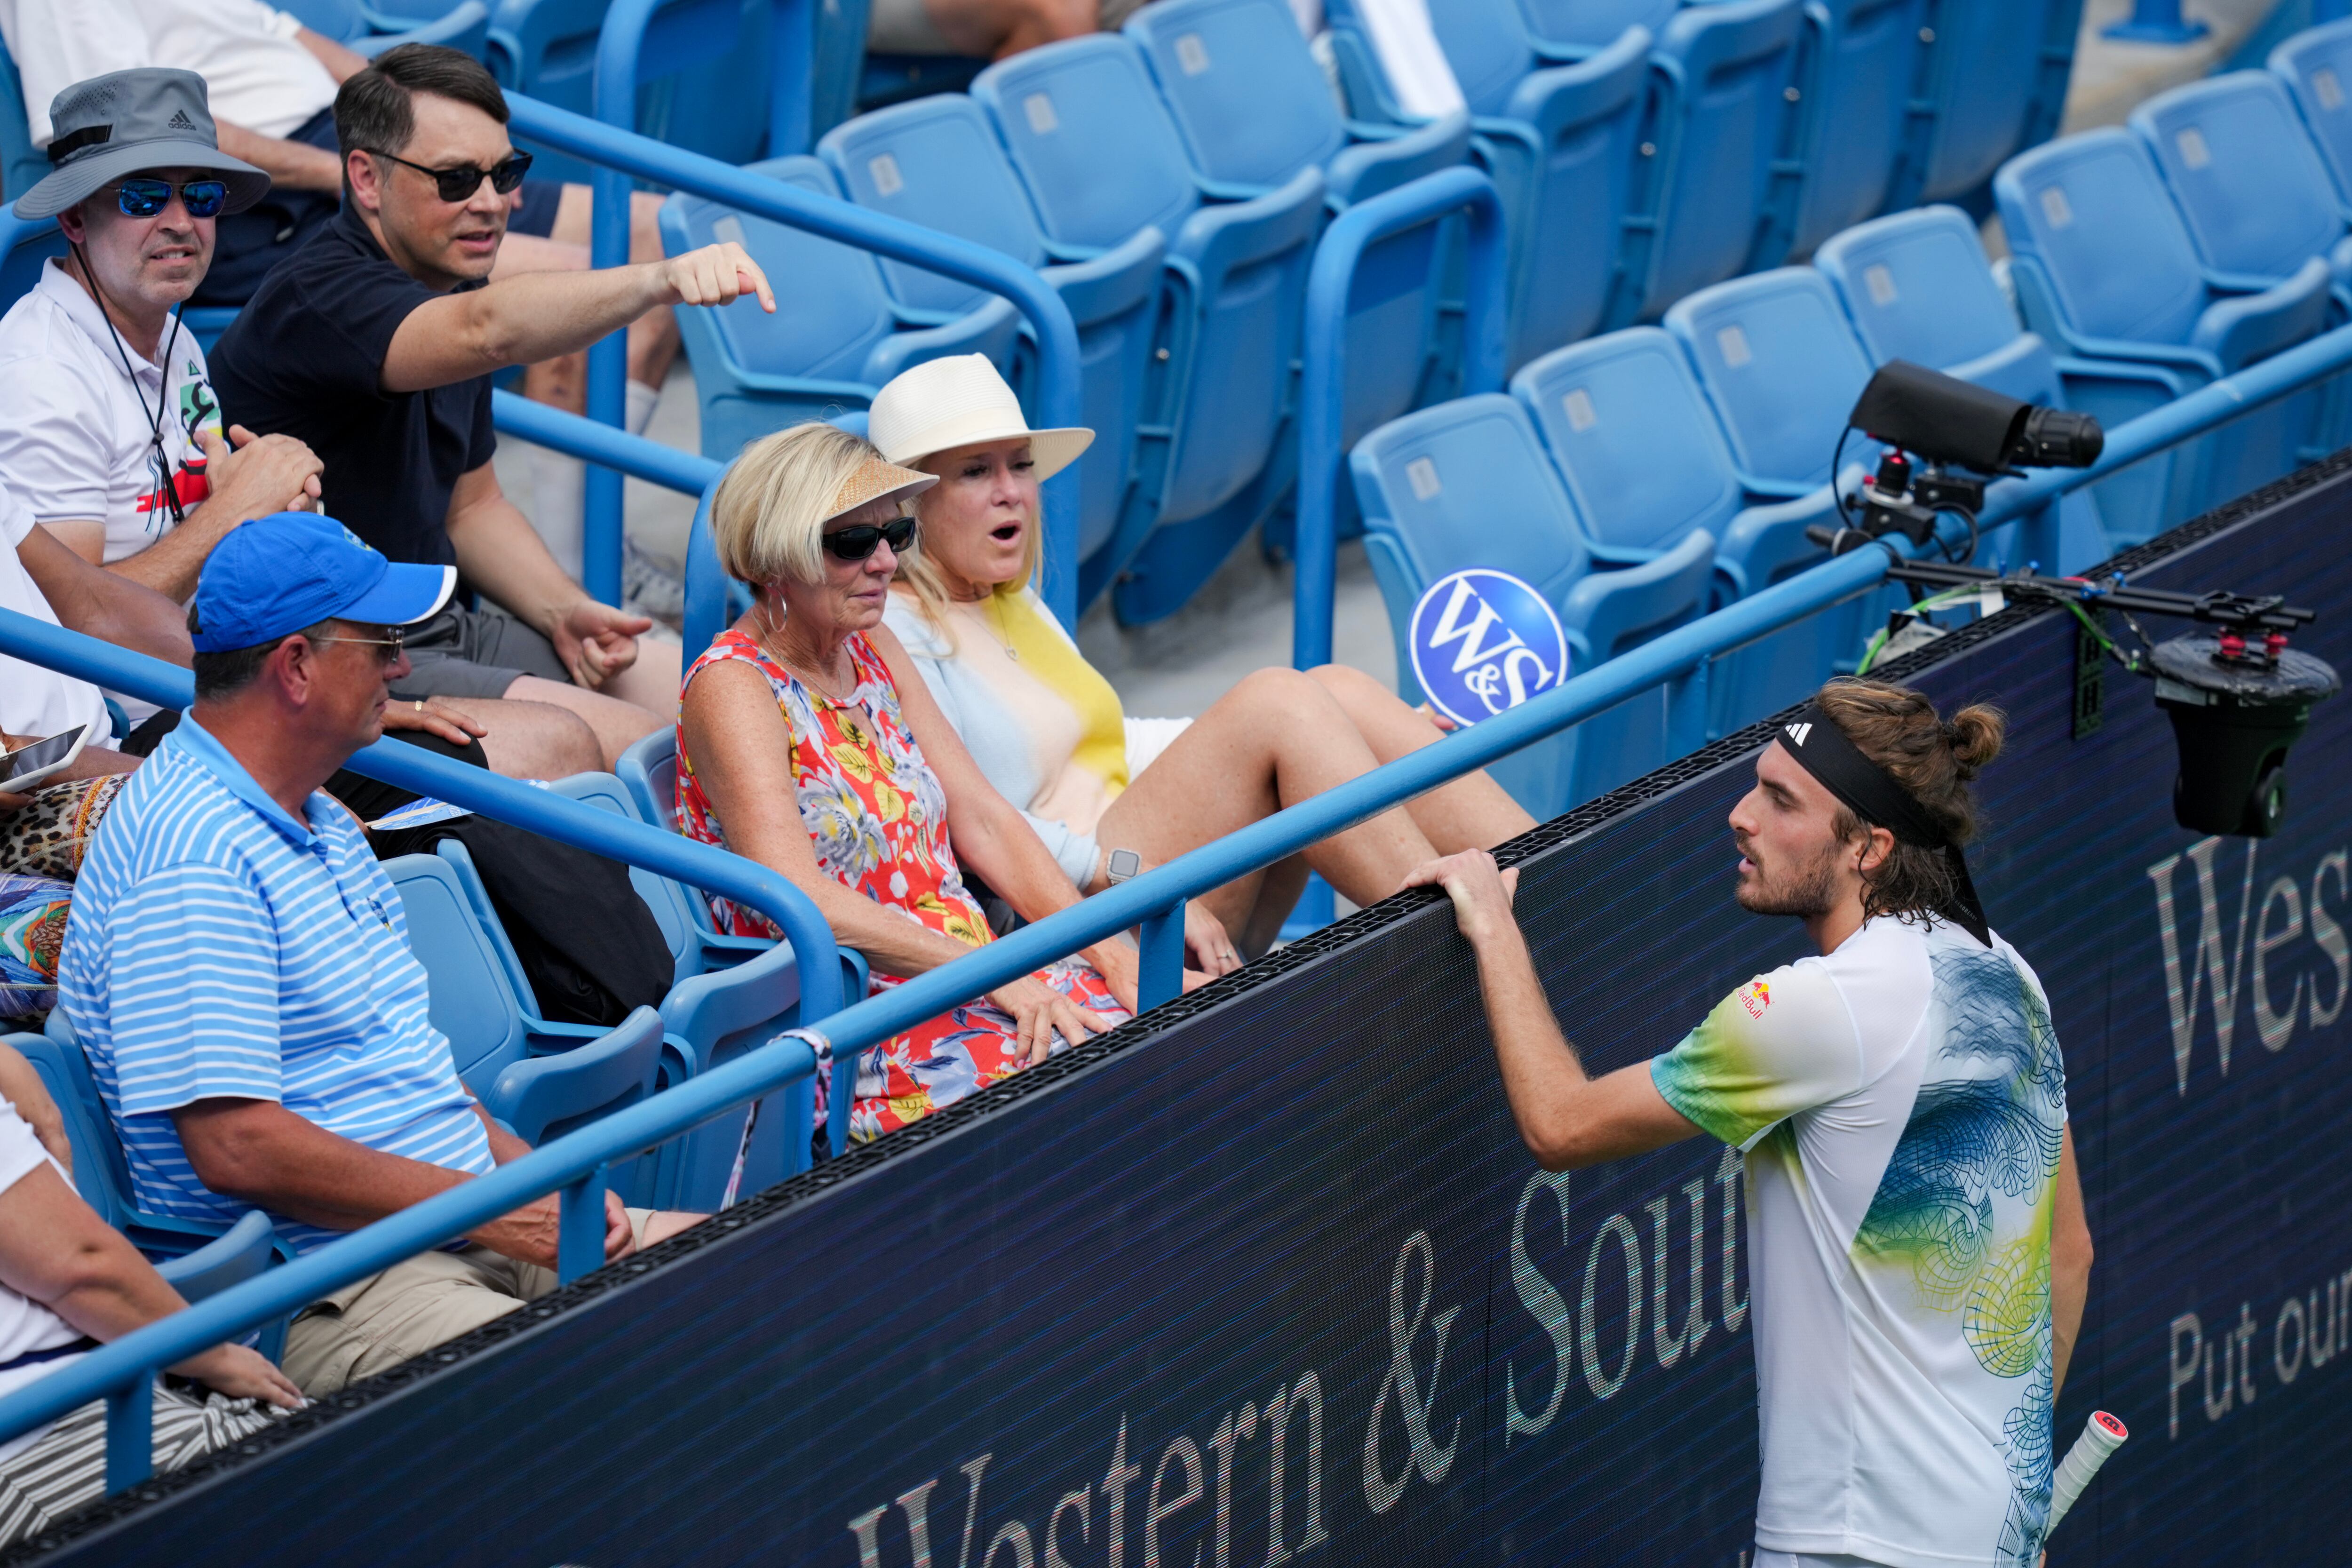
(374, 1324)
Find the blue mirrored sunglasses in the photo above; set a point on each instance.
(145, 198)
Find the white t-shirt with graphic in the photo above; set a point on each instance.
(1902, 1104)
(76, 432)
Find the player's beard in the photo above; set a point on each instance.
(1806, 892)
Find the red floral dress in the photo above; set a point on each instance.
(879, 820)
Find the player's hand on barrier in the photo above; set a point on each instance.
(1208, 944)
(596, 642)
(1481, 893)
(717, 275)
(254, 476)
(1042, 1013)
(243, 1373)
(432, 716)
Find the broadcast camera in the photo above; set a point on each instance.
(1949, 424)
(2238, 699)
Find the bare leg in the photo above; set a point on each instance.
(1474, 811)
(614, 725)
(531, 740)
(1272, 740)
(653, 682)
(1000, 27)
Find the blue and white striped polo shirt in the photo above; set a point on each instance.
(218, 948)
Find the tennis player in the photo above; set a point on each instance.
(1919, 1250)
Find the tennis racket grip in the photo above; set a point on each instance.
(2102, 1436)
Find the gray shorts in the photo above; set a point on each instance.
(475, 653)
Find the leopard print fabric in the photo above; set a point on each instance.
(49, 836)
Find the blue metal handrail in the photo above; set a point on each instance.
(121, 1371)
(616, 449)
(608, 141)
(1323, 386)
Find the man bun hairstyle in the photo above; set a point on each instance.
(375, 112)
(1933, 760)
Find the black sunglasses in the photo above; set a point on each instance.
(142, 197)
(858, 543)
(458, 184)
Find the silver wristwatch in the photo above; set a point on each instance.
(1121, 865)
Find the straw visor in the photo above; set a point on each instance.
(877, 480)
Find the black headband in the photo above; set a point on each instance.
(1872, 794)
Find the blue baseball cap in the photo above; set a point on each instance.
(279, 574)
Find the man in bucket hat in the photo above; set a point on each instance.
(109, 426)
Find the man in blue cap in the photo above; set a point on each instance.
(238, 965)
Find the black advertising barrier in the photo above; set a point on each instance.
(1268, 1277)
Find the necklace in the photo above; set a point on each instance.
(772, 644)
(992, 617)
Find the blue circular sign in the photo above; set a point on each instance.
(1483, 642)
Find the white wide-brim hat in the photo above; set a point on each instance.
(962, 401)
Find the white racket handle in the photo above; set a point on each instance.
(2102, 1436)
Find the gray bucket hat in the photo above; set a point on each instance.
(127, 122)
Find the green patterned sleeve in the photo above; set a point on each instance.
(1780, 1044)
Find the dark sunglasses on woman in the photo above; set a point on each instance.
(858, 543)
(458, 184)
(143, 197)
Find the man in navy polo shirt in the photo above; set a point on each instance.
(237, 966)
(374, 344)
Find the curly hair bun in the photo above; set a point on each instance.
(1975, 734)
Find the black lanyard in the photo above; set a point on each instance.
(168, 491)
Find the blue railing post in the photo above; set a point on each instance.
(1687, 709)
(2156, 22)
(1058, 373)
(130, 1431)
(580, 1236)
(1162, 938)
(1323, 387)
(616, 103)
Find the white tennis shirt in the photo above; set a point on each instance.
(258, 75)
(1902, 1104)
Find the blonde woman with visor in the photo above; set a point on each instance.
(1046, 729)
(806, 741)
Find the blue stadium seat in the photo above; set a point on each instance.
(1558, 141)
(539, 1084)
(1861, 59)
(1647, 466)
(1255, 108)
(1994, 81)
(1572, 29)
(733, 993)
(2317, 66)
(1918, 287)
(1782, 368)
(198, 1260)
(1102, 161)
(1718, 119)
(1433, 485)
(702, 71)
(936, 162)
(835, 338)
(2251, 186)
(371, 28)
(2104, 269)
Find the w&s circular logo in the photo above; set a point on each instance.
(1482, 642)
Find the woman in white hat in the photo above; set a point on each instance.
(806, 741)
(1045, 727)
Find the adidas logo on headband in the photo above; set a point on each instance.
(1797, 732)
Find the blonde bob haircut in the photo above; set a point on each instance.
(920, 574)
(769, 516)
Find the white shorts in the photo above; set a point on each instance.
(1147, 738)
(1764, 1559)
